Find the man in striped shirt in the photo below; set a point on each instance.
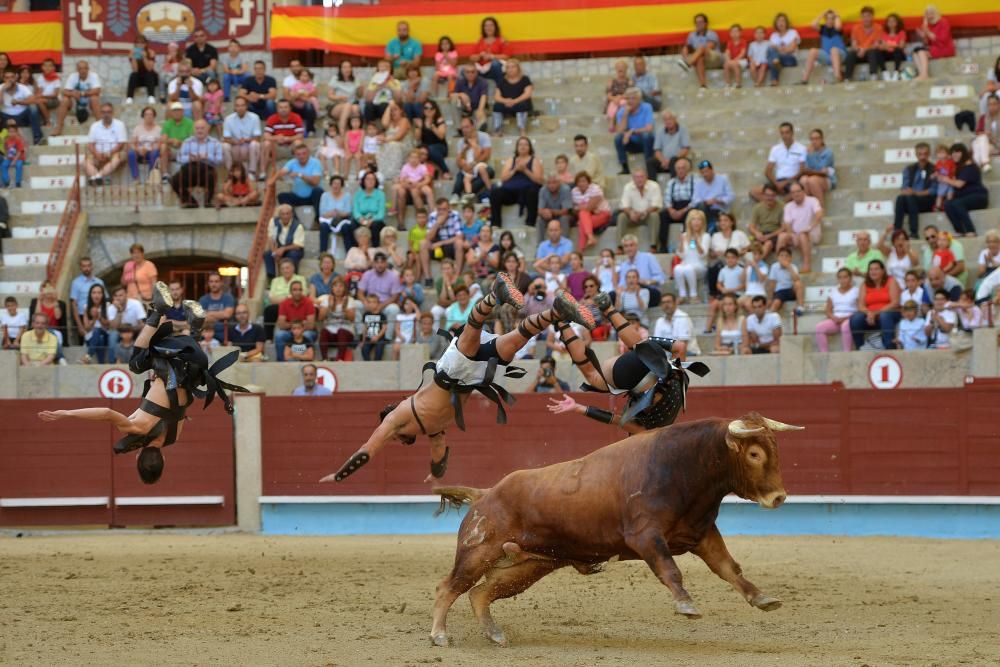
(199, 156)
(281, 131)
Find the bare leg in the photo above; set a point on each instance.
(712, 550)
(578, 353)
(810, 63)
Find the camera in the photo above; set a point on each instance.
(546, 372)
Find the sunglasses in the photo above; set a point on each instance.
(930, 238)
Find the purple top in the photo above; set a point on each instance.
(385, 286)
(575, 283)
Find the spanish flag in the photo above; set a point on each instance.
(31, 37)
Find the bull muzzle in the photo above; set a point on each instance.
(773, 500)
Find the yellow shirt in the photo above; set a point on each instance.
(38, 350)
(416, 236)
(281, 289)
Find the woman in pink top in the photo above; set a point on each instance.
(935, 32)
(445, 64)
(592, 209)
(414, 180)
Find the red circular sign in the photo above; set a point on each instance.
(885, 372)
(326, 377)
(115, 383)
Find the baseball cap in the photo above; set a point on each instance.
(704, 163)
(381, 255)
(176, 105)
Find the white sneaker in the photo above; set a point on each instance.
(128, 100)
(887, 76)
(895, 75)
(150, 100)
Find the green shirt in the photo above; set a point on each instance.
(180, 131)
(416, 236)
(768, 220)
(281, 289)
(410, 51)
(856, 264)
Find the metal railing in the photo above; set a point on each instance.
(67, 225)
(259, 245)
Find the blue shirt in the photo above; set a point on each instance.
(719, 189)
(329, 203)
(547, 248)
(696, 41)
(222, 303)
(322, 288)
(647, 266)
(312, 167)
(830, 38)
(79, 290)
(410, 51)
(822, 160)
(317, 390)
(210, 151)
(642, 117)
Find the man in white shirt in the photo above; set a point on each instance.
(17, 105)
(940, 322)
(107, 139)
(12, 322)
(81, 93)
(123, 312)
(584, 159)
(761, 329)
(306, 111)
(187, 90)
(784, 163)
(676, 324)
(49, 87)
(640, 205)
(241, 137)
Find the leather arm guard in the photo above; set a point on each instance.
(602, 416)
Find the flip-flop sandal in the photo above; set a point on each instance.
(353, 464)
(438, 469)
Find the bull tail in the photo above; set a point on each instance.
(456, 496)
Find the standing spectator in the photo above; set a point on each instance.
(145, 145)
(241, 137)
(176, 129)
(736, 58)
(245, 335)
(958, 271)
(900, 257)
(383, 283)
(650, 274)
(18, 105)
(803, 223)
(555, 202)
(306, 173)
(49, 86)
(987, 141)
(761, 329)
(491, 51)
(445, 66)
(433, 133)
(334, 214)
(367, 210)
(593, 212)
(615, 91)
(584, 159)
(203, 56)
(671, 143)
(282, 131)
(234, 69)
(139, 274)
(785, 163)
(512, 98)
(893, 46)
(693, 250)
(444, 239)
(713, 195)
(375, 324)
(840, 307)
(219, 306)
(296, 308)
(287, 240)
(634, 130)
(859, 260)
(80, 288)
(935, 34)
(784, 45)
(640, 207)
(309, 386)
(701, 50)
(188, 90)
(878, 306)
(143, 75)
(520, 179)
(343, 93)
(766, 220)
(915, 196)
(124, 314)
(866, 37)
(106, 139)
(14, 155)
(831, 49)
(475, 149)
(471, 95)
(678, 326)
(819, 176)
(261, 91)
(969, 195)
(95, 324)
(403, 50)
(380, 91)
(81, 94)
(199, 157)
(12, 323)
(337, 315)
(39, 346)
(647, 82)
(677, 202)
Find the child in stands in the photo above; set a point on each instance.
(14, 155)
(944, 166)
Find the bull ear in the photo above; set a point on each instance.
(738, 429)
(780, 426)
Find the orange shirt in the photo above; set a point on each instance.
(139, 284)
(866, 40)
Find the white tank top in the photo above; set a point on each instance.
(897, 267)
(845, 304)
(732, 337)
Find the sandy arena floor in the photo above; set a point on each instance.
(137, 599)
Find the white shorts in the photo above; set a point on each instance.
(463, 370)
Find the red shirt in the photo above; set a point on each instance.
(13, 147)
(734, 48)
(293, 311)
(943, 46)
(498, 47)
(285, 128)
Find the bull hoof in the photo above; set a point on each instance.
(497, 637)
(440, 639)
(687, 608)
(765, 602)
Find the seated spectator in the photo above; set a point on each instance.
(555, 202)
(633, 297)
(911, 334)
(403, 50)
(865, 39)
(728, 327)
(941, 322)
(286, 240)
(106, 144)
(375, 324)
(381, 90)
(989, 257)
(282, 131)
(48, 85)
(755, 276)
(521, 178)
(555, 245)
(482, 255)
(584, 159)
(727, 236)
(831, 49)
(989, 90)
(507, 245)
(261, 91)
(761, 329)
(650, 274)
(640, 207)
(840, 306)
(296, 308)
(12, 323)
(767, 220)
(562, 171)
(701, 50)
(736, 61)
(593, 212)
(969, 192)
(677, 202)
(168, 70)
(410, 288)
(219, 306)
(546, 381)
(389, 246)
(512, 98)
(634, 129)
(306, 173)
(176, 129)
(94, 327)
(937, 280)
(803, 223)
(297, 346)
(878, 306)
(300, 91)
(176, 314)
(614, 92)
(785, 163)
(893, 47)
(912, 290)
(144, 147)
(413, 184)
(334, 214)
(391, 147)
(677, 325)
(199, 157)
(343, 92)
(757, 56)
(320, 282)
(647, 82)
(819, 176)
(475, 149)
(54, 309)
(915, 195)
(937, 42)
(512, 267)
(987, 141)
(444, 239)
(238, 190)
(785, 282)
(670, 143)
(14, 156)
(241, 137)
(491, 51)
(367, 209)
(121, 351)
(245, 335)
(416, 89)
(143, 63)
(203, 56)
(445, 286)
(309, 386)
(337, 312)
(693, 252)
(427, 335)
(713, 195)
(81, 95)
(457, 313)
(279, 290)
(471, 96)
(864, 254)
(900, 257)
(359, 258)
(784, 45)
(730, 281)
(958, 270)
(234, 70)
(139, 274)
(188, 90)
(969, 315)
(382, 282)
(79, 290)
(38, 346)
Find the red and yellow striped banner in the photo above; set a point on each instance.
(31, 37)
(566, 26)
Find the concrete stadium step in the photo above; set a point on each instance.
(27, 246)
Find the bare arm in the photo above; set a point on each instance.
(117, 419)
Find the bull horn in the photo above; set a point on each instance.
(740, 430)
(781, 426)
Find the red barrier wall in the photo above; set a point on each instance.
(73, 458)
(903, 442)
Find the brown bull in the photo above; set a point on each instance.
(650, 496)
